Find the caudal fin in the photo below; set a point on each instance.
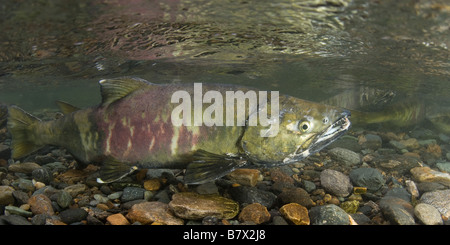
(21, 125)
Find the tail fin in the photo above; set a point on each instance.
(21, 125)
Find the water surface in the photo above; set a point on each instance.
(312, 49)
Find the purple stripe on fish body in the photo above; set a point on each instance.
(138, 128)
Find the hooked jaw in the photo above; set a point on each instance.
(334, 131)
(330, 134)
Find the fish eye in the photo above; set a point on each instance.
(304, 126)
(325, 120)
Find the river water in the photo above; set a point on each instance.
(313, 49)
(385, 60)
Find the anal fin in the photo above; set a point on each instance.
(114, 170)
(207, 167)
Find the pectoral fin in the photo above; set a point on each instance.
(114, 170)
(208, 167)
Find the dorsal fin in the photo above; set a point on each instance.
(65, 107)
(117, 88)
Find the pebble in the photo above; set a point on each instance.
(347, 142)
(255, 213)
(309, 186)
(194, 206)
(115, 195)
(26, 167)
(132, 193)
(64, 199)
(21, 197)
(152, 184)
(397, 145)
(426, 174)
(397, 210)
(370, 141)
(296, 195)
(101, 198)
(38, 185)
(243, 176)
(370, 178)
(345, 156)
(73, 215)
(336, 182)
(278, 220)
(428, 214)
(329, 214)
(295, 213)
(6, 195)
(41, 175)
(153, 212)
(117, 219)
(277, 175)
(18, 211)
(438, 199)
(411, 143)
(13, 220)
(76, 189)
(25, 185)
(55, 167)
(399, 192)
(41, 204)
(350, 207)
(392, 163)
(248, 194)
(411, 187)
(361, 219)
(443, 166)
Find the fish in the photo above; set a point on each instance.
(405, 113)
(362, 98)
(132, 128)
(384, 107)
(440, 120)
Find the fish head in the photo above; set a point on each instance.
(304, 128)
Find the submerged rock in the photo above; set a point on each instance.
(70, 216)
(336, 182)
(26, 167)
(397, 210)
(247, 194)
(426, 174)
(153, 212)
(295, 213)
(255, 213)
(345, 156)
(41, 204)
(295, 195)
(249, 177)
(6, 195)
(427, 214)
(370, 178)
(438, 199)
(190, 205)
(328, 215)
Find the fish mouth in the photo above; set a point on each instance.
(333, 132)
(330, 134)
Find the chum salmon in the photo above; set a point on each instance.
(133, 129)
